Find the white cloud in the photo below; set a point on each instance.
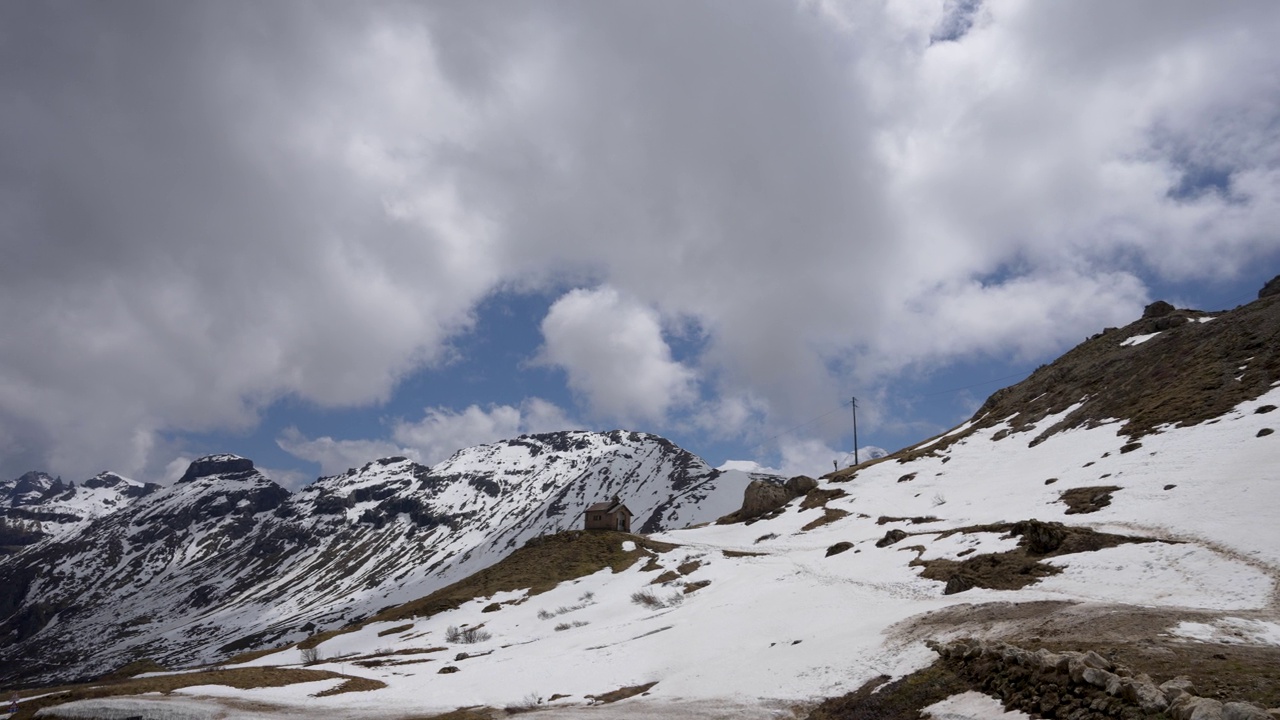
(310, 204)
(613, 352)
(337, 456)
(798, 456)
(440, 433)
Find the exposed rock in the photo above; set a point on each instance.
(1243, 711)
(891, 537)
(1159, 308)
(1177, 687)
(216, 465)
(762, 496)
(801, 484)
(838, 548)
(1190, 707)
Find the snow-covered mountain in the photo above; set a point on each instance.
(227, 560)
(1124, 499)
(37, 506)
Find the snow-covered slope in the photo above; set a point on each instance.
(226, 560)
(781, 620)
(1147, 535)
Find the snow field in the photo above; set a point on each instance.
(793, 624)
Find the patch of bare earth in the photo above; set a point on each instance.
(1017, 568)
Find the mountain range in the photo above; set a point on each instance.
(226, 560)
(1099, 540)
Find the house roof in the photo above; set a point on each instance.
(608, 507)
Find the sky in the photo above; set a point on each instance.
(318, 233)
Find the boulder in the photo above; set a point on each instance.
(1157, 309)
(801, 484)
(1144, 693)
(1100, 678)
(762, 496)
(1177, 687)
(891, 537)
(1243, 711)
(1190, 707)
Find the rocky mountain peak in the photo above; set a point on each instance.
(232, 467)
(34, 487)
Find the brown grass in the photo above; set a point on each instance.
(819, 497)
(829, 515)
(1087, 499)
(396, 630)
(355, 684)
(540, 565)
(1020, 567)
(245, 657)
(239, 678)
(621, 693)
(901, 699)
(688, 567)
(471, 713)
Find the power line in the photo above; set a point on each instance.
(853, 404)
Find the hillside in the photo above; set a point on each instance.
(1070, 551)
(226, 560)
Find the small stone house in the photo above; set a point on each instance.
(612, 515)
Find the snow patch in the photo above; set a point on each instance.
(1231, 631)
(971, 706)
(1138, 339)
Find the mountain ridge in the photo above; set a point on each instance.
(227, 560)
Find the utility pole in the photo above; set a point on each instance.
(854, 403)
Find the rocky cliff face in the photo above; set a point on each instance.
(226, 560)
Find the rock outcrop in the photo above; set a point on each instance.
(765, 495)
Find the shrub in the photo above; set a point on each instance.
(574, 624)
(311, 656)
(466, 635)
(649, 599)
(646, 598)
(530, 702)
(587, 598)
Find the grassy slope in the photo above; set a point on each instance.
(540, 565)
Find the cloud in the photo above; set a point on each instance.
(803, 456)
(337, 456)
(207, 208)
(612, 350)
(440, 433)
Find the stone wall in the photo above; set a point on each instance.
(1082, 685)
